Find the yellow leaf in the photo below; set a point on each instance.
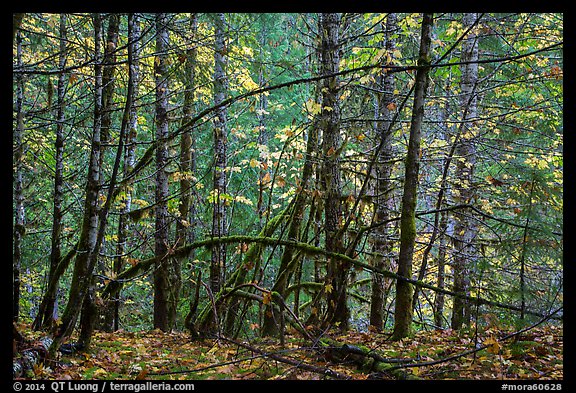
(101, 373)
(267, 298)
(492, 345)
(328, 288)
(313, 107)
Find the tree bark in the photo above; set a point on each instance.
(186, 225)
(46, 313)
(83, 266)
(465, 229)
(167, 272)
(383, 131)
(404, 291)
(112, 317)
(218, 261)
(337, 312)
(19, 214)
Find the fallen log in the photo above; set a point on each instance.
(31, 357)
(366, 360)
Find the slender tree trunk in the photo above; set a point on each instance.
(403, 306)
(47, 312)
(108, 78)
(167, 272)
(287, 261)
(19, 216)
(385, 107)
(185, 227)
(82, 275)
(262, 131)
(523, 252)
(218, 261)
(465, 229)
(113, 311)
(92, 313)
(441, 274)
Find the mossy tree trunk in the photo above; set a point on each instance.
(404, 291)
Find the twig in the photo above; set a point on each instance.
(465, 353)
(298, 364)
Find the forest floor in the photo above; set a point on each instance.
(154, 355)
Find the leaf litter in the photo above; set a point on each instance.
(155, 355)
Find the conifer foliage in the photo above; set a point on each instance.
(384, 189)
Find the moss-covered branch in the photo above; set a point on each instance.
(308, 250)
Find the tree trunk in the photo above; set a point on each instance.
(218, 261)
(167, 272)
(465, 229)
(46, 313)
(186, 225)
(403, 306)
(90, 311)
(82, 275)
(385, 107)
(337, 312)
(108, 79)
(112, 318)
(93, 314)
(441, 275)
(19, 216)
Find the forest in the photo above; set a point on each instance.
(287, 196)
